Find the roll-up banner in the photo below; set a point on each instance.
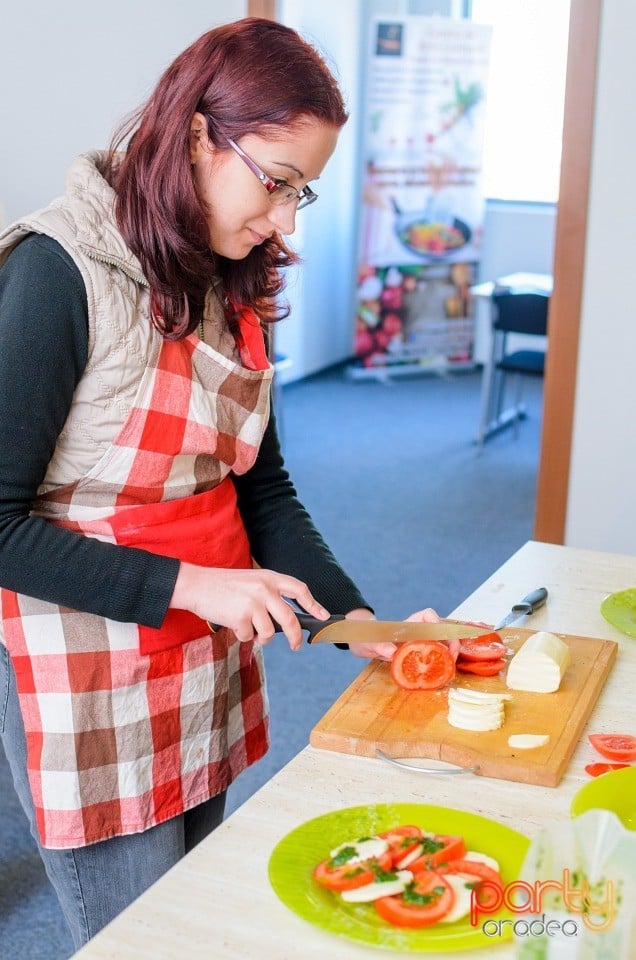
(422, 208)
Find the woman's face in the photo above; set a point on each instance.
(240, 213)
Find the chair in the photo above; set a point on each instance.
(512, 312)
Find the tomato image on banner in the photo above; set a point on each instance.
(414, 314)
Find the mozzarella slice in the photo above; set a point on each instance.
(410, 857)
(539, 666)
(467, 695)
(366, 849)
(377, 889)
(477, 710)
(462, 885)
(526, 741)
(476, 713)
(475, 724)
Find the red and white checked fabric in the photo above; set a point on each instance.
(118, 739)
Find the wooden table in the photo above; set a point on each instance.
(210, 906)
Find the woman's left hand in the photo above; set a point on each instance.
(385, 651)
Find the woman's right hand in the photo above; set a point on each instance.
(246, 601)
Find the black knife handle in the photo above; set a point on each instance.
(532, 602)
(306, 621)
(313, 625)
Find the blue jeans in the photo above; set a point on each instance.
(95, 883)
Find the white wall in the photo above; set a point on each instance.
(320, 292)
(71, 70)
(601, 510)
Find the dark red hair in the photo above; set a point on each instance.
(251, 76)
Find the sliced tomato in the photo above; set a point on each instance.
(483, 668)
(348, 876)
(596, 769)
(492, 637)
(614, 746)
(482, 651)
(486, 896)
(402, 841)
(436, 850)
(422, 665)
(426, 899)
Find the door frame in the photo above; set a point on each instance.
(262, 8)
(569, 266)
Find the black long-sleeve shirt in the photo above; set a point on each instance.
(43, 353)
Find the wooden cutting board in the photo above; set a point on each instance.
(374, 713)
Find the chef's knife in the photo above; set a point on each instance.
(523, 609)
(339, 630)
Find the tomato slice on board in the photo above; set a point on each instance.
(402, 841)
(493, 637)
(426, 899)
(596, 769)
(436, 850)
(422, 665)
(482, 651)
(486, 896)
(483, 668)
(614, 746)
(349, 876)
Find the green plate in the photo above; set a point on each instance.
(619, 609)
(294, 858)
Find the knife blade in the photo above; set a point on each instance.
(339, 630)
(524, 608)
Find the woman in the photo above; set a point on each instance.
(143, 489)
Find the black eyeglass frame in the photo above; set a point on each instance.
(273, 185)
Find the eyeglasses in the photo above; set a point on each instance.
(280, 192)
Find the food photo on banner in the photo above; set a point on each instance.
(422, 208)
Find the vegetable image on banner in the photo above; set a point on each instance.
(422, 205)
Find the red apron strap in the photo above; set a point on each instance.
(250, 340)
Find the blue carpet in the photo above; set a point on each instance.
(32, 926)
(418, 518)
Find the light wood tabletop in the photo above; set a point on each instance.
(218, 902)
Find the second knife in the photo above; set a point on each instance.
(524, 608)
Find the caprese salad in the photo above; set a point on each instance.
(413, 878)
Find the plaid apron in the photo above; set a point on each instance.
(128, 726)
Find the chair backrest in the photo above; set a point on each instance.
(521, 312)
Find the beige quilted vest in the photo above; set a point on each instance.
(120, 332)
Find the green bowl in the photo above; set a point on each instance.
(619, 609)
(615, 791)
